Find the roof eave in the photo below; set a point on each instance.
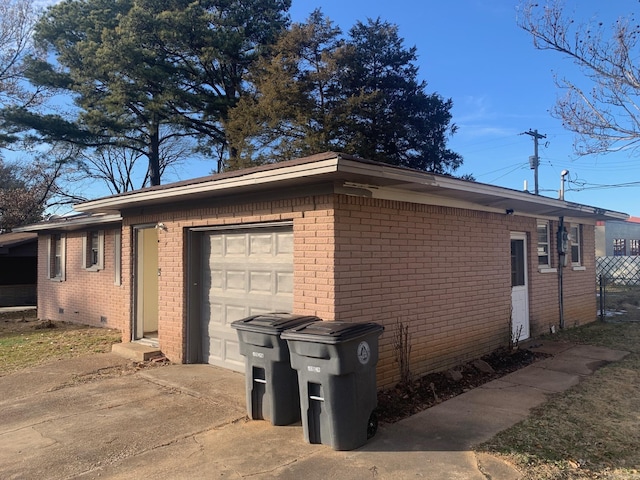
(71, 223)
(253, 180)
(346, 169)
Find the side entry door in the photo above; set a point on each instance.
(519, 287)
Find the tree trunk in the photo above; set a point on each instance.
(154, 152)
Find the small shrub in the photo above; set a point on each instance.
(402, 351)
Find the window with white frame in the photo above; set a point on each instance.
(634, 247)
(574, 235)
(93, 250)
(544, 259)
(56, 257)
(619, 247)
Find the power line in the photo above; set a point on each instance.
(595, 186)
(518, 167)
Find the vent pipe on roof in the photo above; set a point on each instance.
(563, 174)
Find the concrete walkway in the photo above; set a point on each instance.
(82, 418)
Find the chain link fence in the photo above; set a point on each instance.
(618, 287)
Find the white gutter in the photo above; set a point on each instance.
(71, 223)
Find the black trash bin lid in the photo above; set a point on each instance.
(331, 332)
(273, 323)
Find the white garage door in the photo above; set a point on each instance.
(244, 273)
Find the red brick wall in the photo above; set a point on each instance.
(578, 307)
(579, 286)
(313, 257)
(445, 272)
(84, 296)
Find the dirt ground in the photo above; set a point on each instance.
(26, 340)
(405, 400)
(26, 322)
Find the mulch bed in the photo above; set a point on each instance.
(402, 401)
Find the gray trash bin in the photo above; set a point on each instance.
(271, 383)
(336, 365)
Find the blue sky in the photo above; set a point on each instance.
(473, 52)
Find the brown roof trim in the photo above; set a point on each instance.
(79, 221)
(240, 173)
(15, 239)
(352, 175)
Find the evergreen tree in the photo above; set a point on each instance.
(145, 72)
(291, 110)
(387, 114)
(361, 96)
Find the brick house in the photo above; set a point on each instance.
(328, 235)
(79, 270)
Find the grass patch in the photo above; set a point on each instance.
(623, 302)
(26, 341)
(593, 429)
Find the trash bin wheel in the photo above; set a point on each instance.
(372, 425)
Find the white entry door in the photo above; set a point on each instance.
(519, 287)
(245, 273)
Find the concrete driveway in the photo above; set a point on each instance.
(98, 417)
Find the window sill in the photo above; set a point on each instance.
(55, 279)
(578, 268)
(95, 268)
(547, 270)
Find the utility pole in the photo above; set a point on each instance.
(534, 161)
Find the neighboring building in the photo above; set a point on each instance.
(329, 235)
(18, 269)
(79, 270)
(618, 238)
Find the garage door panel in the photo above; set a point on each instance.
(260, 244)
(284, 243)
(235, 245)
(244, 273)
(215, 348)
(215, 280)
(233, 313)
(235, 280)
(284, 283)
(232, 356)
(225, 353)
(217, 316)
(261, 282)
(211, 314)
(260, 311)
(215, 246)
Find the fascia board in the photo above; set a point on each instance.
(185, 192)
(71, 223)
(379, 175)
(462, 188)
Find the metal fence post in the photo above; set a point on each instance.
(601, 279)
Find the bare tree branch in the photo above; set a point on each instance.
(605, 112)
(17, 19)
